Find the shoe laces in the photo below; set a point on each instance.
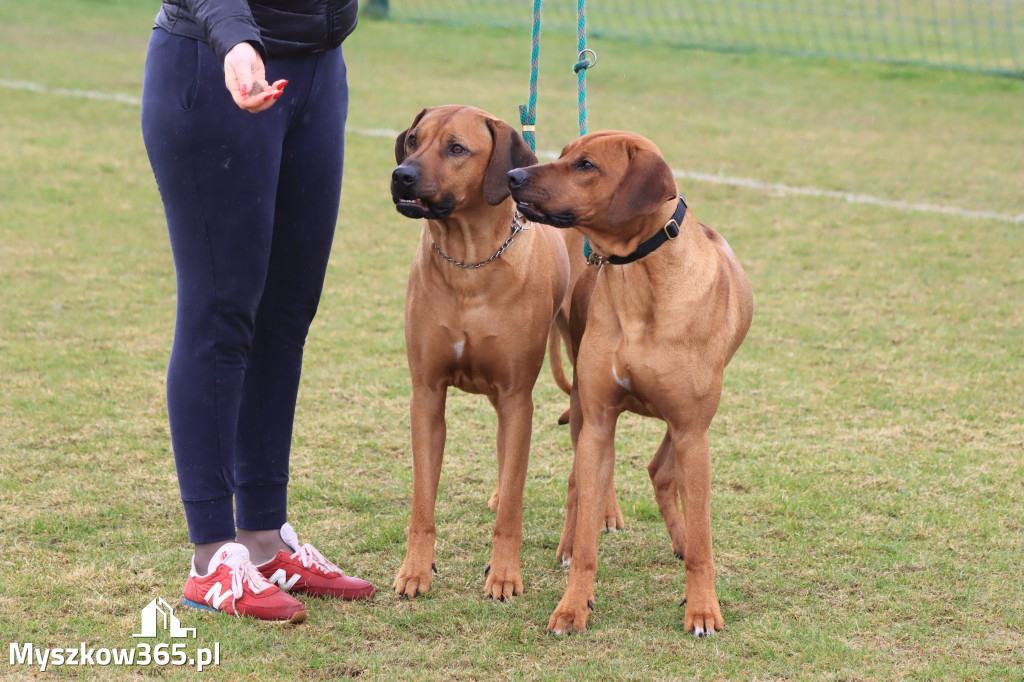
(311, 556)
(246, 572)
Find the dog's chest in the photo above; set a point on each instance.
(475, 365)
(481, 353)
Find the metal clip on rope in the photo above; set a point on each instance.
(587, 60)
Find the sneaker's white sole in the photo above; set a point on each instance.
(296, 617)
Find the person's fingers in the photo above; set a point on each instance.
(243, 67)
(260, 102)
(261, 97)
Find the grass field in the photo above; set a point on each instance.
(869, 451)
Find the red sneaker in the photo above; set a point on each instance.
(233, 585)
(306, 571)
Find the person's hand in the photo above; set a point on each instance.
(245, 79)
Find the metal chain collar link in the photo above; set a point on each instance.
(517, 227)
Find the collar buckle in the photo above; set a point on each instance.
(670, 235)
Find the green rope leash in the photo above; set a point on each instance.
(528, 112)
(587, 59)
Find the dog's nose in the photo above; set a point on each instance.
(517, 178)
(405, 176)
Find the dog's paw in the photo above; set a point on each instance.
(570, 616)
(492, 503)
(502, 585)
(703, 616)
(410, 583)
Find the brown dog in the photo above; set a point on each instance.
(655, 325)
(483, 291)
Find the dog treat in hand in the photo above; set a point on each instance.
(256, 88)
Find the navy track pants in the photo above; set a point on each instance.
(251, 202)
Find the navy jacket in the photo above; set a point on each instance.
(277, 28)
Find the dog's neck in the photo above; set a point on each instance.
(663, 285)
(685, 265)
(669, 231)
(624, 240)
(472, 236)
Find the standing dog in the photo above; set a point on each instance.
(655, 326)
(483, 291)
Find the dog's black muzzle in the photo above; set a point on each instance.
(519, 182)
(403, 192)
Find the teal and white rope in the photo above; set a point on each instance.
(586, 58)
(581, 81)
(528, 112)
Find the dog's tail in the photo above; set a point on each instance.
(559, 332)
(555, 358)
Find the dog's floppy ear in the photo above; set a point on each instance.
(400, 140)
(509, 152)
(647, 183)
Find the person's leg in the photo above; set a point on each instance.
(308, 195)
(217, 168)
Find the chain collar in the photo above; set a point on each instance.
(517, 227)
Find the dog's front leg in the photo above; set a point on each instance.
(593, 467)
(515, 421)
(693, 479)
(428, 437)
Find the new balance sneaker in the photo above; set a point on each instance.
(306, 571)
(233, 585)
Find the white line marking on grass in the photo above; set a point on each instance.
(81, 94)
(713, 178)
(851, 197)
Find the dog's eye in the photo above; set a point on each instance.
(585, 165)
(457, 149)
(411, 141)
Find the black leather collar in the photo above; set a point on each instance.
(669, 232)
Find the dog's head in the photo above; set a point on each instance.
(600, 182)
(453, 157)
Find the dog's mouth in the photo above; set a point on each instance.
(537, 215)
(417, 208)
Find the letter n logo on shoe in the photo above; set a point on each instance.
(215, 597)
(281, 579)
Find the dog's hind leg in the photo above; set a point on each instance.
(661, 469)
(612, 518)
(564, 551)
(612, 513)
(593, 467)
(492, 503)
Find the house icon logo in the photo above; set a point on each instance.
(159, 613)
